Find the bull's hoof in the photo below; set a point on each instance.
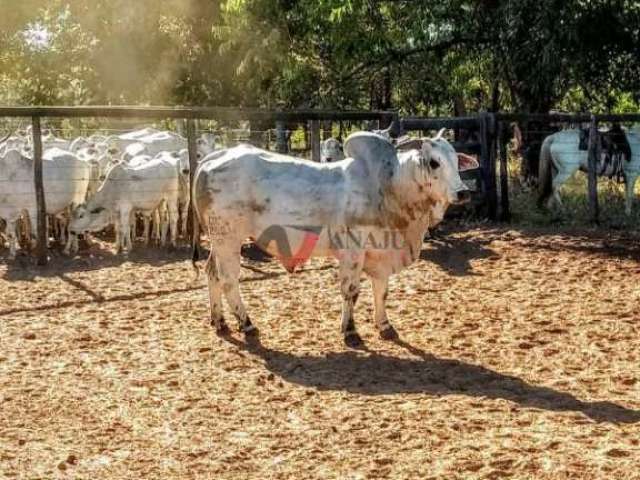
(389, 333)
(220, 326)
(250, 331)
(353, 340)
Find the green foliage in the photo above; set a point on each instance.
(418, 57)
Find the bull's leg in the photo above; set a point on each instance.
(31, 228)
(146, 219)
(124, 229)
(229, 270)
(173, 214)
(185, 217)
(12, 238)
(63, 223)
(630, 184)
(350, 270)
(118, 232)
(380, 290)
(71, 246)
(156, 227)
(215, 295)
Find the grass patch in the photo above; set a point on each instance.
(575, 213)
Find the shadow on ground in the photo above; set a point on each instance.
(454, 255)
(372, 373)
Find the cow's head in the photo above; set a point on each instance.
(89, 218)
(183, 161)
(331, 150)
(443, 166)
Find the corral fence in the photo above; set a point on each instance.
(486, 135)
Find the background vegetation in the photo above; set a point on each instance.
(446, 57)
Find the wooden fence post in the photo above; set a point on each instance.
(193, 227)
(487, 139)
(41, 247)
(593, 176)
(281, 137)
(503, 137)
(314, 137)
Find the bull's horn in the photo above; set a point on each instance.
(440, 133)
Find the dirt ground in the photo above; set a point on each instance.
(519, 357)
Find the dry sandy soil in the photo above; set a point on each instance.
(519, 357)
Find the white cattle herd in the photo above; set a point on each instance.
(98, 181)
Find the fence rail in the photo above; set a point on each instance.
(217, 113)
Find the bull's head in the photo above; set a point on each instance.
(89, 218)
(443, 165)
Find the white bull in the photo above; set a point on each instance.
(65, 179)
(125, 191)
(369, 211)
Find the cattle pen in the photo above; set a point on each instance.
(486, 135)
(517, 358)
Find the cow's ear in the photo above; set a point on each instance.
(467, 162)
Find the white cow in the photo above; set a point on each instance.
(126, 139)
(370, 211)
(125, 191)
(65, 179)
(331, 151)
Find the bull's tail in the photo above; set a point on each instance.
(545, 175)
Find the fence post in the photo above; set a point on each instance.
(281, 137)
(503, 137)
(385, 121)
(193, 227)
(314, 136)
(488, 163)
(593, 176)
(41, 246)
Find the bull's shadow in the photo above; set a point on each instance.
(454, 255)
(372, 373)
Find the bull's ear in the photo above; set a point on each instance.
(467, 162)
